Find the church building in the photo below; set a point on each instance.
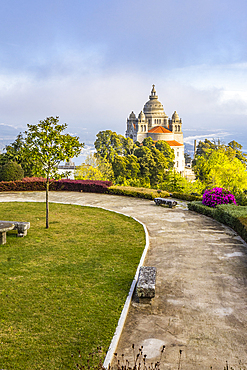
(153, 122)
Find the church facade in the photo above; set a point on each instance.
(153, 122)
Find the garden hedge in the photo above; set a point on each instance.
(229, 214)
(39, 184)
(189, 197)
(115, 190)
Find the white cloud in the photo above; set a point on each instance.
(98, 100)
(210, 136)
(11, 126)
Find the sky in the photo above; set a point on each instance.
(92, 62)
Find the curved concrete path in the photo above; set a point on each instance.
(200, 305)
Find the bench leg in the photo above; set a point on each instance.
(145, 300)
(3, 238)
(22, 233)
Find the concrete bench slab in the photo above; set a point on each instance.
(168, 202)
(145, 287)
(21, 227)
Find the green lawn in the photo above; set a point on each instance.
(62, 289)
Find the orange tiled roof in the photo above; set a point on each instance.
(173, 143)
(159, 130)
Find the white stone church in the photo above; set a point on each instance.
(153, 122)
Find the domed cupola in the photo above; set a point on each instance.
(175, 124)
(175, 116)
(141, 116)
(132, 116)
(154, 111)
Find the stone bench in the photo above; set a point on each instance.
(168, 202)
(145, 288)
(21, 227)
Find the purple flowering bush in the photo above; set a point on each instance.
(215, 196)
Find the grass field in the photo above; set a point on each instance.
(62, 289)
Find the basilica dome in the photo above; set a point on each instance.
(153, 106)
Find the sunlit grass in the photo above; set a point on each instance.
(63, 289)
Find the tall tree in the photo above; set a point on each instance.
(148, 142)
(47, 146)
(238, 150)
(108, 144)
(128, 145)
(233, 150)
(221, 170)
(94, 169)
(153, 164)
(16, 152)
(167, 151)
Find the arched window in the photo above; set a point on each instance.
(178, 128)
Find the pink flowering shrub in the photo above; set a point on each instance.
(33, 179)
(215, 196)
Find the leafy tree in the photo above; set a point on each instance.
(204, 147)
(16, 152)
(238, 150)
(108, 144)
(145, 160)
(232, 149)
(153, 164)
(128, 145)
(11, 171)
(125, 167)
(94, 169)
(221, 170)
(175, 182)
(132, 167)
(148, 142)
(168, 152)
(119, 167)
(47, 147)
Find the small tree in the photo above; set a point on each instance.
(47, 147)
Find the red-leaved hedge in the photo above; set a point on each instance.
(38, 184)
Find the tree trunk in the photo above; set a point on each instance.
(47, 203)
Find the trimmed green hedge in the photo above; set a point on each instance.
(228, 214)
(188, 197)
(137, 193)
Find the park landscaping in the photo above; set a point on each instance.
(63, 288)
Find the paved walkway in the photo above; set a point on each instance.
(201, 302)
